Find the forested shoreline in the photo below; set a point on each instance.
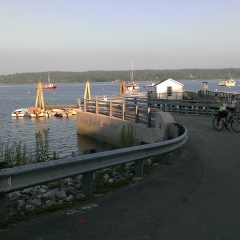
(109, 76)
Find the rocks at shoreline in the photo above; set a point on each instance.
(21, 203)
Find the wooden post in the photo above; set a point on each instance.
(96, 106)
(123, 110)
(85, 105)
(37, 96)
(136, 114)
(149, 118)
(110, 109)
(39, 103)
(87, 94)
(122, 89)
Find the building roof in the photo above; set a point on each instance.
(170, 79)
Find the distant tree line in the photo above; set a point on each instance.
(109, 76)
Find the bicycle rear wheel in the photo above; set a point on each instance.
(235, 124)
(216, 123)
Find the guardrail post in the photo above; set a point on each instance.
(123, 111)
(149, 117)
(110, 109)
(88, 183)
(136, 114)
(96, 106)
(2, 208)
(135, 101)
(139, 168)
(165, 158)
(85, 105)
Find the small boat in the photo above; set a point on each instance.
(32, 112)
(63, 113)
(149, 85)
(49, 86)
(222, 83)
(19, 112)
(131, 86)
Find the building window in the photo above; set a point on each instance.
(169, 91)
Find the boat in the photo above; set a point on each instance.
(222, 83)
(229, 82)
(22, 112)
(149, 85)
(131, 86)
(35, 112)
(49, 86)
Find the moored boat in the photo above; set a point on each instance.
(229, 82)
(222, 83)
(149, 85)
(131, 86)
(34, 112)
(49, 86)
(19, 112)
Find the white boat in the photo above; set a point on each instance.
(149, 85)
(22, 112)
(222, 83)
(131, 86)
(229, 82)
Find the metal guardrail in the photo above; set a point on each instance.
(18, 178)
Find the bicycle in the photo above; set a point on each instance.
(234, 121)
(216, 121)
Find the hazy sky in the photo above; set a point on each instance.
(82, 35)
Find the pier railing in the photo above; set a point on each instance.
(126, 110)
(141, 110)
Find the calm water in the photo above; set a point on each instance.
(63, 137)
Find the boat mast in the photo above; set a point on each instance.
(131, 74)
(48, 77)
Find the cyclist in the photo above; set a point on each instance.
(234, 103)
(223, 105)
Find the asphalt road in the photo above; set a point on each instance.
(197, 197)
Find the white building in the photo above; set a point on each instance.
(166, 89)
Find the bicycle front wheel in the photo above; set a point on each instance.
(235, 124)
(216, 123)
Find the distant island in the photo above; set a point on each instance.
(113, 76)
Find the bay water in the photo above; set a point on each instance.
(63, 137)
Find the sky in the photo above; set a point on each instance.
(86, 35)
